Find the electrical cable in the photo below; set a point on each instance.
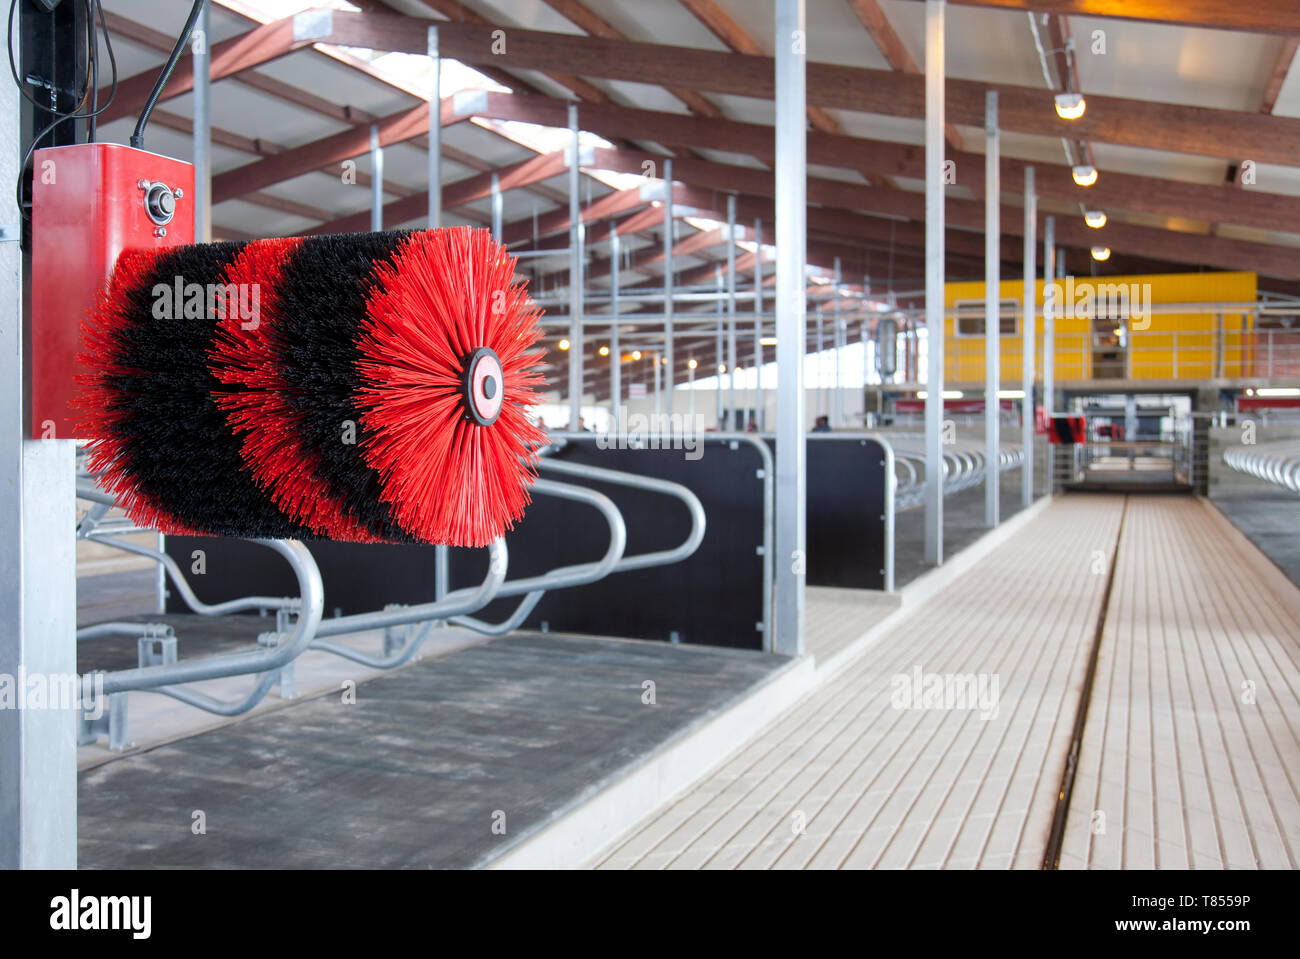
(92, 6)
(137, 137)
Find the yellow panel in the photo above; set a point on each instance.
(1161, 345)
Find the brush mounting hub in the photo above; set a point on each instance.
(482, 386)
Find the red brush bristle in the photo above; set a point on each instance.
(447, 293)
(102, 411)
(244, 355)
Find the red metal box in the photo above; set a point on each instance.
(90, 201)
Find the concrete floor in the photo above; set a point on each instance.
(418, 771)
(1270, 518)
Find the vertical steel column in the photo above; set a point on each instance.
(202, 129)
(38, 587)
(659, 375)
(731, 296)
(1028, 332)
(760, 408)
(934, 278)
(441, 554)
(837, 406)
(615, 351)
(376, 181)
(791, 324)
(435, 133)
(821, 361)
(721, 361)
(575, 275)
(496, 208)
(1049, 314)
(668, 282)
(992, 308)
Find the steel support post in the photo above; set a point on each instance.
(934, 277)
(731, 297)
(992, 308)
(496, 207)
(38, 586)
(435, 132)
(791, 324)
(668, 283)
(376, 181)
(760, 411)
(575, 274)
(615, 351)
(837, 406)
(1049, 314)
(1028, 332)
(202, 127)
(722, 356)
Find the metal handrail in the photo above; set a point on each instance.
(1276, 463)
(688, 547)
(87, 491)
(623, 563)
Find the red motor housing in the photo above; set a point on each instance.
(90, 201)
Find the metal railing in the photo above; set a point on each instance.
(1277, 463)
(964, 466)
(169, 676)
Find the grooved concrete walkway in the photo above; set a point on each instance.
(850, 778)
(1191, 752)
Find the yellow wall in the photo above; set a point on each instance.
(1151, 352)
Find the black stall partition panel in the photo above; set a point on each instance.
(715, 597)
(846, 510)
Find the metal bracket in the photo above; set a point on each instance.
(285, 672)
(112, 722)
(156, 650)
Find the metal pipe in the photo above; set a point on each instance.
(435, 131)
(461, 601)
(760, 409)
(615, 350)
(721, 362)
(575, 274)
(934, 276)
(1028, 333)
(992, 305)
(668, 280)
(202, 127)
(496, 207)
(160, 678)
(731, 296)
(791, 321)
(1049, 313)
(376, 181)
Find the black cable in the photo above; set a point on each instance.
(13, 71)
(91, 6)
(137, 137)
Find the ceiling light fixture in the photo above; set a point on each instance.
(1070, 106)
(1101, 253)
(1084, 174)
(1095, 219)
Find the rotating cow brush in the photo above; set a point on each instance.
(368, 387)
